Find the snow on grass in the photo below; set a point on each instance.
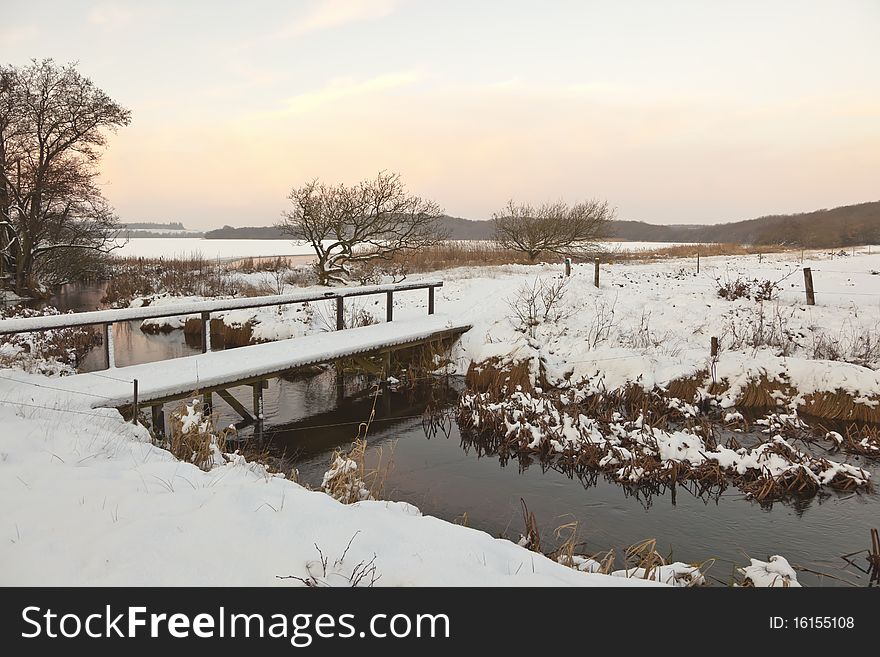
(776, 572)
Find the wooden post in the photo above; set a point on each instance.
(596, 273)
(568, 266)
(430, 300)
(802, 256)
(698, 262)
(808, 287)
(340, 317)
(389, 306)
(206, 332)
(134, 403)
(158, 420)
(714, 349)
(207, 403)
(109, 356)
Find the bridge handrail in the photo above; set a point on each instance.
(112, 316)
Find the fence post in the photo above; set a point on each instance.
(134, 403)
(389, 306)
(568, 266)
(430, 300)
(698, 262)
(714, 349)
(808, 287)
(340, 317)
(596, 273)
(109, 356)
(206, 332)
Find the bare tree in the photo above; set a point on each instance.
(374, 220)
(53, 127)
(556, 228)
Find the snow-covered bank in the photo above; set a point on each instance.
(87, 500)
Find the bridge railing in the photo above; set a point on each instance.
(107, 318)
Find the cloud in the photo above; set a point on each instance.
(326, 14)
(341, 89)
(18, 35)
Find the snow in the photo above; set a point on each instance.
(184, 247)
(87, 500)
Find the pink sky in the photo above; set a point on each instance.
(676, 112)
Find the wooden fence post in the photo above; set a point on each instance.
(206, 332)
(568, 266)
(109, 356)
(596, 273)
(134, 403)
(698, 262)
(808, 287)
(714, 348)
(389, 306)
(340, 317)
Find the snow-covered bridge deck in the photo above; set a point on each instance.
(167, 379)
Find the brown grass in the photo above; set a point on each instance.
(350, 484)
(495, 377)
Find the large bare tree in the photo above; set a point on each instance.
(557, 228)
(375, 219)
(53, 128)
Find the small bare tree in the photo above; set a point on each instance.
(374, 220)
(558, 228)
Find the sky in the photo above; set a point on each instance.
(675, 112)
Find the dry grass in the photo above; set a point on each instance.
(691, 251)
(349, 480)
(495, 377)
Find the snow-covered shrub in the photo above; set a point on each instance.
(743, 288)
(538, 303)
(774, 573)
(55, 352)
(194, 438)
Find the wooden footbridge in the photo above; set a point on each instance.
(154, 384)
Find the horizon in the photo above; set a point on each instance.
(676, 114)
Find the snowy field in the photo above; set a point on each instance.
(87, 499)
(182, 247)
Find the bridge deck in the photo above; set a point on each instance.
(170, 379)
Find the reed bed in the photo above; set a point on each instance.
(649, 439)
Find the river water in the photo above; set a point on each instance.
(307, 419)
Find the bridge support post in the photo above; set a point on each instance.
(389, 306)
(258, 401)
(158, 415)
(340, 316)
(207, 403)
(430, 300)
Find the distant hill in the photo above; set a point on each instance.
(843, 226)
(846, 225)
